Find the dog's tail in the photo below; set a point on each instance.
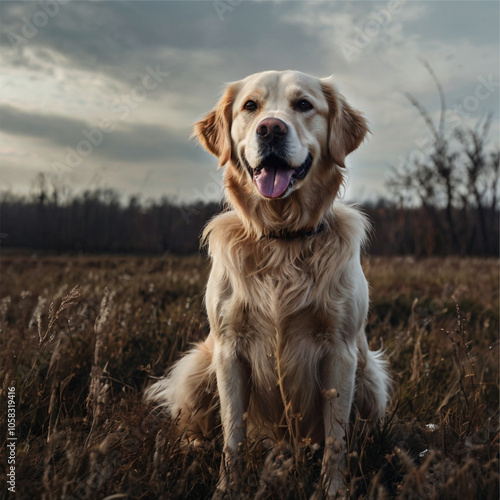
(189, 392)
(373, 383)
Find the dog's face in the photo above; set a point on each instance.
(279, 128)
(282, 133)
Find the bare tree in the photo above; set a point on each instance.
(451, 175)
(481, 175)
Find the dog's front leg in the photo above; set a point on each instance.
(338, 379)
(234, 392)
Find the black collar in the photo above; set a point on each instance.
(292, 235)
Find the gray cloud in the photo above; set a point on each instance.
(59, 130)
(478, 20)
(90, 53)
(101, 36)
(125, 143)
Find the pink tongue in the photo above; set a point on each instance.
(273, 181)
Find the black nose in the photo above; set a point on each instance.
(271, 129)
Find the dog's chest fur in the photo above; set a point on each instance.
(268, 298)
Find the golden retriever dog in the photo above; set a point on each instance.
(286, 298)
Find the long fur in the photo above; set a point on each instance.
(286, 315)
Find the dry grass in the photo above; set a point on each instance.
(79, 359)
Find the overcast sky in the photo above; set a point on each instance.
(104, 94)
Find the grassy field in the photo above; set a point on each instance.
(81, 337)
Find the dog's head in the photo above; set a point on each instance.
(284, 136)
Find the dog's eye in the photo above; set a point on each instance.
(250, 106)
(303, 105)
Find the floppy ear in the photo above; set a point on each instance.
(347, 126)
(214, 131)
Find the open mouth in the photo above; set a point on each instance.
(274, 176)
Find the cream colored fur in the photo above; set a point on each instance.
(286, 315)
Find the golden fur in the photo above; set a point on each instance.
(286, 313)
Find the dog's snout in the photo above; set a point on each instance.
(271, 129)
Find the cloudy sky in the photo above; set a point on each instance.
(104, 94)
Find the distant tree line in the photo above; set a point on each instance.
(98, 221)
(401, 230)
